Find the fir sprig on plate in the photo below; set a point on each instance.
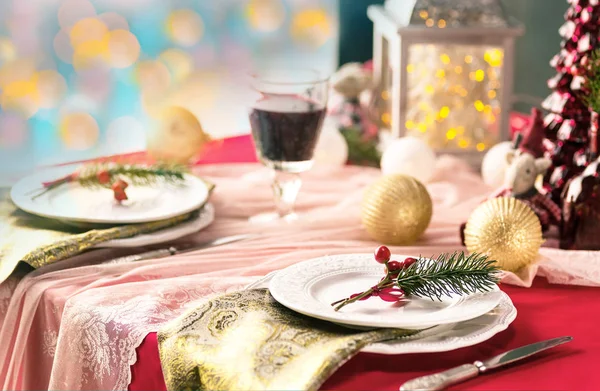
(118, 176)
(90, 176)
(449, 274)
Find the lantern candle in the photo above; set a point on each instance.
(445, 72)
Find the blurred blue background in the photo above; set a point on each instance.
(80, 78)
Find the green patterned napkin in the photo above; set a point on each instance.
(39, 241)
(248, 341)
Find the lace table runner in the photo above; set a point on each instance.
(78, 328)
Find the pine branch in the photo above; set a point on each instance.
(449, 274)
(137, 175)
(89, 176)
(592, 84)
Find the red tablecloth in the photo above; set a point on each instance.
(544, 311)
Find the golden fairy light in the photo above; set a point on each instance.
(451, 134)
(385, 118)
(265, 15)
(88, 29)
(78, 130)
(123, 48)
(311, 27)
(90, 54)
(21, 97)
(451, 93)
(21, 69)
(479, 75)
(185, 27)
(51, 87)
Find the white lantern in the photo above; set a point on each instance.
(445, 71)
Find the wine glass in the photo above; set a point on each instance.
(286, 117)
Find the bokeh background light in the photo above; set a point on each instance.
(81, 79)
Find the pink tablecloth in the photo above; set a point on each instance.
(77, 325)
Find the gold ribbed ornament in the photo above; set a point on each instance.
(507, 230)
(396, 210)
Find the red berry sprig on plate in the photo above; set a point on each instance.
(449, 274)
(385, 289)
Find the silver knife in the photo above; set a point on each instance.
(439, 381)
(167, 252)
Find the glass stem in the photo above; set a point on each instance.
(286, 186)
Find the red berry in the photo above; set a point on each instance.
(120, 185)
(120, 195)
(407, 262)
(382, 254)
(103, 177)
(394, 266)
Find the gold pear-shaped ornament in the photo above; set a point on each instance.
(178, 136)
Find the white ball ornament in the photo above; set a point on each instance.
(494, 164)
(331, 149)
(409, 156)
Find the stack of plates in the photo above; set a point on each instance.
(456, 321)
(95, 208)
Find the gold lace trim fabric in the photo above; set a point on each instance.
(248, 341)
(38, 241)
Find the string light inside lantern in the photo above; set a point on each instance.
(454, 95)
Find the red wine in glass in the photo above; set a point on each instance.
(285, 129)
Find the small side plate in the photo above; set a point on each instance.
(75, 203)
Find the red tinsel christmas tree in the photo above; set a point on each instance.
(568, 121)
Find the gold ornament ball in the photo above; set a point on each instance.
(178, 137)
(506, 230)
(396, 210)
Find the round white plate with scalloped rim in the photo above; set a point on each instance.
(442, 338)
(311, 286)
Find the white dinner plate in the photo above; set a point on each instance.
(72, 202)
(203, 220)
(442, 338)
(311, 286)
